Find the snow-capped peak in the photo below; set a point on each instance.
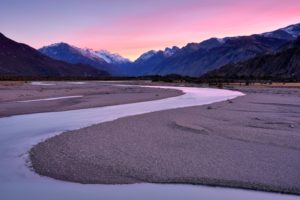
(290, 32)
(102, 55)
(58, 48)
(111, 57)
(293, 30)
(146, 55)
(105, 55)
(57, 44)
(171, 51)
(87, 52)
(221, 40)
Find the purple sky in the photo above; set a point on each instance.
(131, 27)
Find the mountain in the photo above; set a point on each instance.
(284, 64)
(71, 54)
(156, 55)
(17, 59)
(195, 59)
(291, 32)
(149, 60)
(146, 56)
(207, 58)
(111, 58)
(102, 59)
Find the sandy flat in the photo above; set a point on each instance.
(251, 142)
(24, 98)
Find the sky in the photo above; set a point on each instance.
(132, 27)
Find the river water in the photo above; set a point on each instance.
(19, 133)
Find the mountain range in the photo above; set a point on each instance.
(194, 59)
(17, 59)
(284, 64)
(102, 60)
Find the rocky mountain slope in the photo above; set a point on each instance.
(102, 59)
(18, 59)
(195, 59)
(284, 64)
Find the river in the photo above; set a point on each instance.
(19, 133)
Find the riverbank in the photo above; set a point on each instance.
(25, 97)
(250, 142)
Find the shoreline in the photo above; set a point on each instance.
(31, 98)
(132, 167)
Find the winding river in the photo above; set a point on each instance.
(19, 133)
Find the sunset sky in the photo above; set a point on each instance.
(131, 27)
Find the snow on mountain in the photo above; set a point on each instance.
(112, 58)
(221, 40)
(146, 56)
(57, 48)
(18, 59)
(171, 51)
(101, 55)
(291, 32)
(168, 52)
(87, 53)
